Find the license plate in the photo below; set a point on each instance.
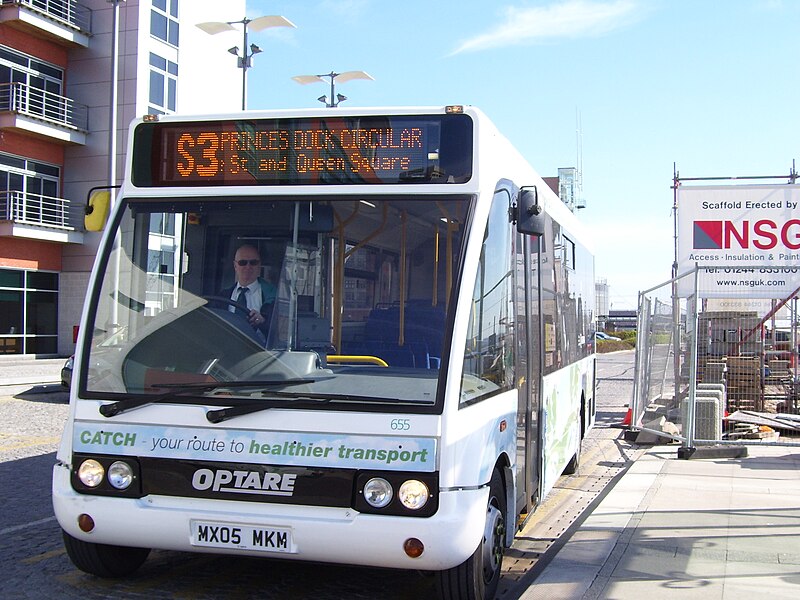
(242, 537)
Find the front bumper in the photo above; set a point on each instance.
(324, 534)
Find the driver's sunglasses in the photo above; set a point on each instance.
(252, 261)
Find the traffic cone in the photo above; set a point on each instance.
(626, 422)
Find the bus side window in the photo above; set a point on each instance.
(488, 365)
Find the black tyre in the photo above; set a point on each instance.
(104, 560)
(575, 462)
(477, 577)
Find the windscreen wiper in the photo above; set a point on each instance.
(294, 400)
(175, 390)
(223, 414)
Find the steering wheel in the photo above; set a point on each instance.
(228, 302)
(237, 318)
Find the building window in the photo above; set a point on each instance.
(163, 85)
(29, 190)
(164, 21)
(30, 86)
(28, 312)
(20, 68)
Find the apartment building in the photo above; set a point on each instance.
(56, 68)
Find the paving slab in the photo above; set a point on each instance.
(718, 528)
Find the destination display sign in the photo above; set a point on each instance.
(304, 151)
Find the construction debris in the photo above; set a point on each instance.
(785, 422)
(745, 431)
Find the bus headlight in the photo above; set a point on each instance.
(120, 475)
(91, 473)
(378, 492)
(413, 494)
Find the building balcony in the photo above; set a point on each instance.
(38, 217)
(63, 21)
(43, 113)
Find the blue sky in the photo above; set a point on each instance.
(709, 86)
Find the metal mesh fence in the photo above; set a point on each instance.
(659, 384)
(713, 369)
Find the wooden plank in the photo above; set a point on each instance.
(758, 418)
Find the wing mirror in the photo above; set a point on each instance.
(97, 208)
(530, 214)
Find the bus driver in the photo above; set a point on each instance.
(251, 289)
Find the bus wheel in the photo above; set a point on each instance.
(104, 560)
(477, 577)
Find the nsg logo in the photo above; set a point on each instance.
(764, 234)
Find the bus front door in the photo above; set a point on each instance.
(529, 371)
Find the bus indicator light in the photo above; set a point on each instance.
(413, 548)
(85, 523)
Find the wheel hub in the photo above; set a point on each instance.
(493, 542)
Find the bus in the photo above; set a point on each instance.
(419, 375)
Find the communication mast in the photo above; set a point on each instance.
(580, 201)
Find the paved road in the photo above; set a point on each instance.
(614, 386)
(35, 566)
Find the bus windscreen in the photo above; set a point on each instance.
(304, 151)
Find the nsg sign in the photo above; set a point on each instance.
(747, 236)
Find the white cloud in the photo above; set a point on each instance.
(566, 19)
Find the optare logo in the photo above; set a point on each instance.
(764, 234)
(244, 482)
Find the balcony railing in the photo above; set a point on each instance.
(35, 209)
(66, 12)
(26, 100)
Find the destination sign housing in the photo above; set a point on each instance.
(309, 151)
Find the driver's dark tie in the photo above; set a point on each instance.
(242, 299)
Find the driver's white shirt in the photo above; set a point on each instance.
(254, 301)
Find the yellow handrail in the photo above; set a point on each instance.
(352, 358)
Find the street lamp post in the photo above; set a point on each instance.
(335, 98)
(244, 62)
(112, 102)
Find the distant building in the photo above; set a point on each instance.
(601, 302)
(55, 74)
(621, 319)
(568, 187)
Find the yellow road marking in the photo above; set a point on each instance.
(45, 556)
(29, 442)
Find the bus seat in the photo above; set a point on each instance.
(383, 324)
(422, 321)
(423, 331)
(396, 356)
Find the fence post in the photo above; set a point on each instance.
(641, 338)
(688, 445)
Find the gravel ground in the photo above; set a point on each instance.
(33, 407)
